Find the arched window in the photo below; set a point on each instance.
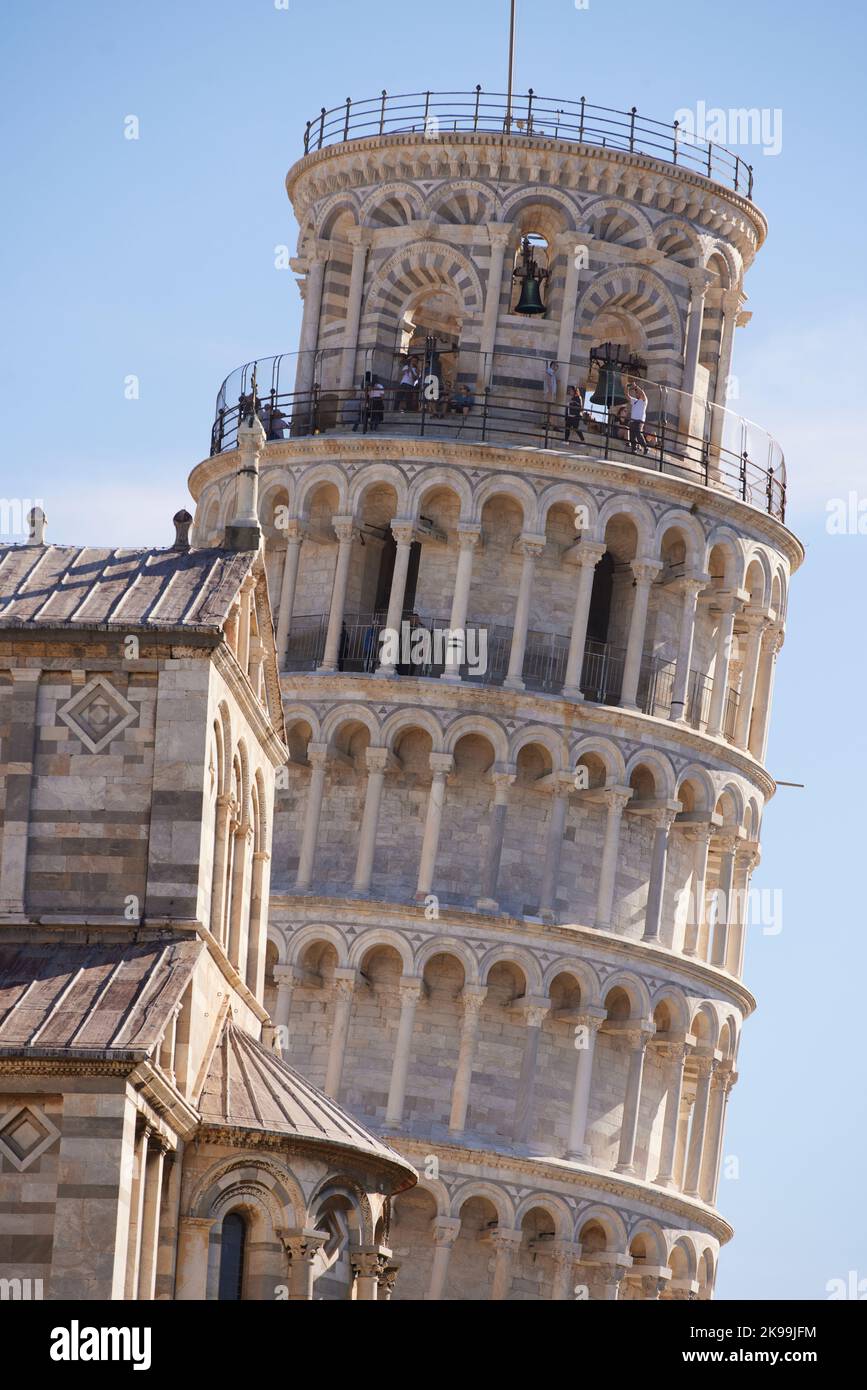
(232, 1251)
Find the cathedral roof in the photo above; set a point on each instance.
(88, 586)
(100, 998)
(250, 1087)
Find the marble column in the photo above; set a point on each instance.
(150, 1220)
(194, 1235)
(286, 978)
(563, 786)
(690, 587)
(344, 987)
(713, 1135)
(301, 1247)
(259, 885)
(756, 623)
(534, 1011)
(367, 1262)
(645, 572)
(360, 240)
(567, 242)
(502, 780)
(410, 992)
(726, 844)
(661, 820)
(137, 1197)
(632, 1102)
(531, 548)
(506, 1244)
(442, 764)
(223, 816)
(772, 641)
(674, 1053)
(729, 1077)
(294, 538)
(698, 280)
(719, 688)
(614, 800)
(403, 532)
(344, 527)
(317, 756)
(377, 760)
(563, 1256)
(473, 997)
(499, 234)
(589, 554)
(313, 284)
(239, 900)
(589, 1023)
(446, 1230)
(468, 539)
(704, 1067)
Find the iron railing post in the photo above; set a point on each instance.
(530, 111)
(750, 181)
(307, 137)
(485, 413)
(476, 112)
(346, 119)
(709, 157)
(581, 123)
(632, 129)
(382, 111)
(674, 147)
(321, 127)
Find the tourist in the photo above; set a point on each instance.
(376, 397)
(637, 416)
(462, 400)
(550, 381)
(409, 379)
(575, 414)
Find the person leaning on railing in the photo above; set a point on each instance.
(462, 400)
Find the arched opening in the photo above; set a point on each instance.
(233, 1244)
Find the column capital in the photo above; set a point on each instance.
(344, 528)
(377, 759)
(702, 1064)
(645, 571)
(698, 281)
(359, 238)
(592, 1019)
(531, 545)
(473, 997)
(690, 584)
(345, 980)
(662, 817)
(446, 1230)
(317, 754)
(403, 529)
(506, 1239)
(286, 975)
(533, 1008)
(587, 553)
(673, 1050)
(410, 987)
(499, 233)
(616, 796)
(369, 1261)
(469, 535)
(302, 1244)
(441, 764)
(727, 840)
(292, 530)
(503, 775)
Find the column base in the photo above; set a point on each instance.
(385, 672)
(664, 1182)
(451, 680)
(513, 683)
(487, 905)
(627, 1169)
(571, 692)
(652, 937)
(326, 671)
(581, 1155)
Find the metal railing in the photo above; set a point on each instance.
(436, 114)
(296, 397)
(544, 667)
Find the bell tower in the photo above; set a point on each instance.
(531, 577)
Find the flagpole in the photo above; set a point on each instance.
(511, 66)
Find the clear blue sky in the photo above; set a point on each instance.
(155, 258)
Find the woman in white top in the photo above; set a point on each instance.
(637, 416)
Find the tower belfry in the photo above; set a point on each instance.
(512, 865)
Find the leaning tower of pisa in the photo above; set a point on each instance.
(511, 867)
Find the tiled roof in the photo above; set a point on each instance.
(249, 1087)
(58, 997)
(63, 585)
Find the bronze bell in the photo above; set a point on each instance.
(609, 388)
(530, 299)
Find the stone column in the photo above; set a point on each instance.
(286, 978)
(359, 238)
(614, 799)
(589, 554)
(686, 1104)
(563, 787)
(150, 1221)
(441, 765)
(244, 626)
(698, 281)
(317, 755)
(662, 821)
(445, 1233)
(243, 841)
(629, 1125)
(223, 815)
(704, 1067)
(534, 1011)
(344, 986)
(259, 883)
(772, 640)
(563, 1255)
(589, 1022)
(377, 761)
(729, 1078)
(410, 993)
(531, 548)
(21, 704)
(468, 539)
(294, 537)
(645, 572)
(473, 998)
(713, 1135)
(502, 780)
(566, 242)
(675, 1054)
(726, 843)
(344, 528)
(719, 689)
(731, 302)
(756, 623)
(701, 837)
(312, 290)
(499, 234)
(301, 1247)
(137, 1196)
(367, 1264)
(690, 586)
(505, 1245)
(747, 858)
(403, 532)
(192, 1272)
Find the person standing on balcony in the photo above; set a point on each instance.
(574, 414)
(409, 378)
(376, 396)
(637, 416)
(550, 382)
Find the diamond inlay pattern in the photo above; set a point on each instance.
(97, 714)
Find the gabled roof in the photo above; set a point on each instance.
(59, 997)
(65, 585)
(249, 1087)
